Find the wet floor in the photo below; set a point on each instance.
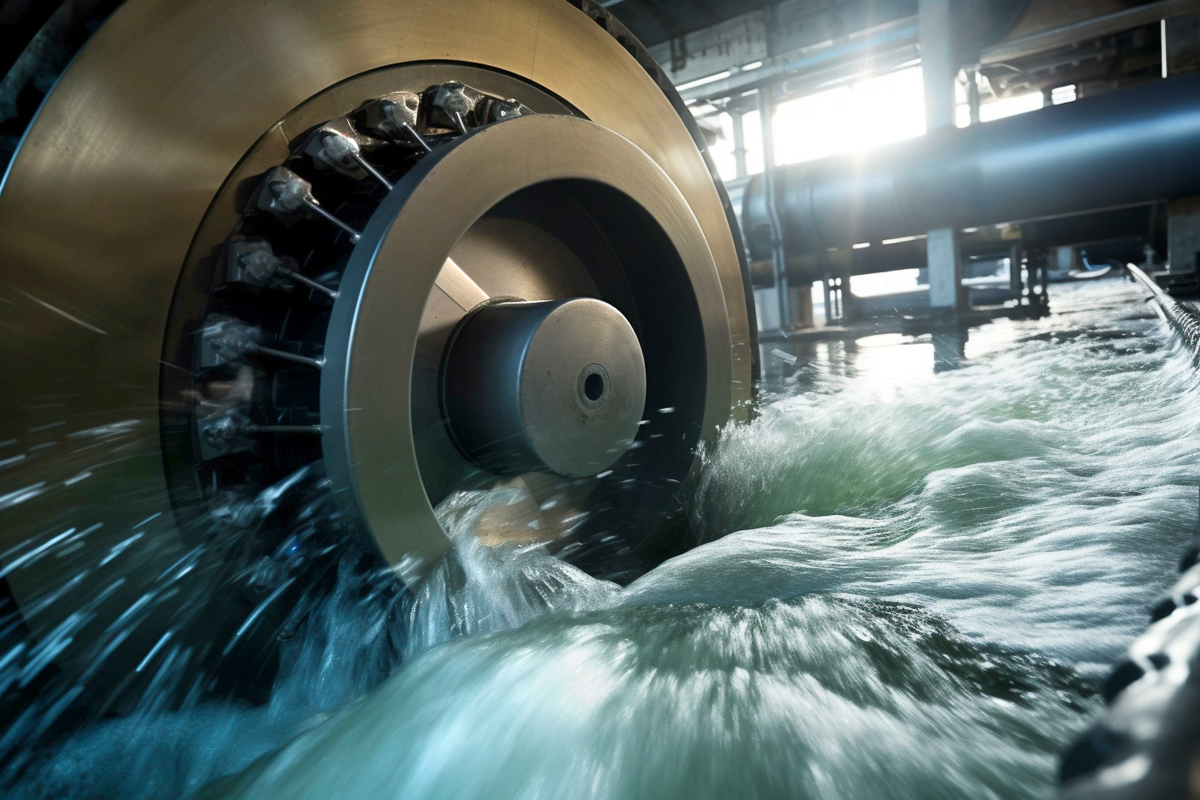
(909, 583)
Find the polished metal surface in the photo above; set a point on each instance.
(1118, 149)
(555, 385)
(371, 453)
(111, 190)
(459, 286)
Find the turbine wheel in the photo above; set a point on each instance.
(356, 257)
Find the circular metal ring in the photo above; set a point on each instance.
(370, 451)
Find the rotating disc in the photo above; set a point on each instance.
(235, 263)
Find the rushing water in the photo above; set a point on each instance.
(926, 578)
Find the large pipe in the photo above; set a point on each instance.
(1112, 231)
(1123, 148)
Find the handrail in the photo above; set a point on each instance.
(1183, 319)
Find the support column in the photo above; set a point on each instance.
(943, 253)
(766, 116)
(1181, 45)
(1016, 283)
(1183, 234)
(801, 305)
(937, 61)
(949, 348)
(1034, 302)
(739, 141)
(1066, 260)
(973, 100)
(1181, 54)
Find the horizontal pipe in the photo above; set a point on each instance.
(1084, 30)
(854, 51)
(1125, 229)
(1123, 148)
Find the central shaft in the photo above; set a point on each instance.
(555, 386)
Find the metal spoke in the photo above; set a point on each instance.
(283, 355)
(417, 137)
(374, 173)
(311, 203)
(313, 430)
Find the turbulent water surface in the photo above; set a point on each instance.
(909, 586)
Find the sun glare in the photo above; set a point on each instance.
(849, 119)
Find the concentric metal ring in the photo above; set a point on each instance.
(370, 454)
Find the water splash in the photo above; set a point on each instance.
(342, 640)
(927, 575)
(1038, 498)
(482, 589)
(823, 696)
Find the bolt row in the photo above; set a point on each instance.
(346, 146)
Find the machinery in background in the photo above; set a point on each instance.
(738, 62)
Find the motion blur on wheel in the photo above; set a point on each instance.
(383, 416)
(282, 278)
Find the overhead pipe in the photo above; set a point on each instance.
(1123, 148)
